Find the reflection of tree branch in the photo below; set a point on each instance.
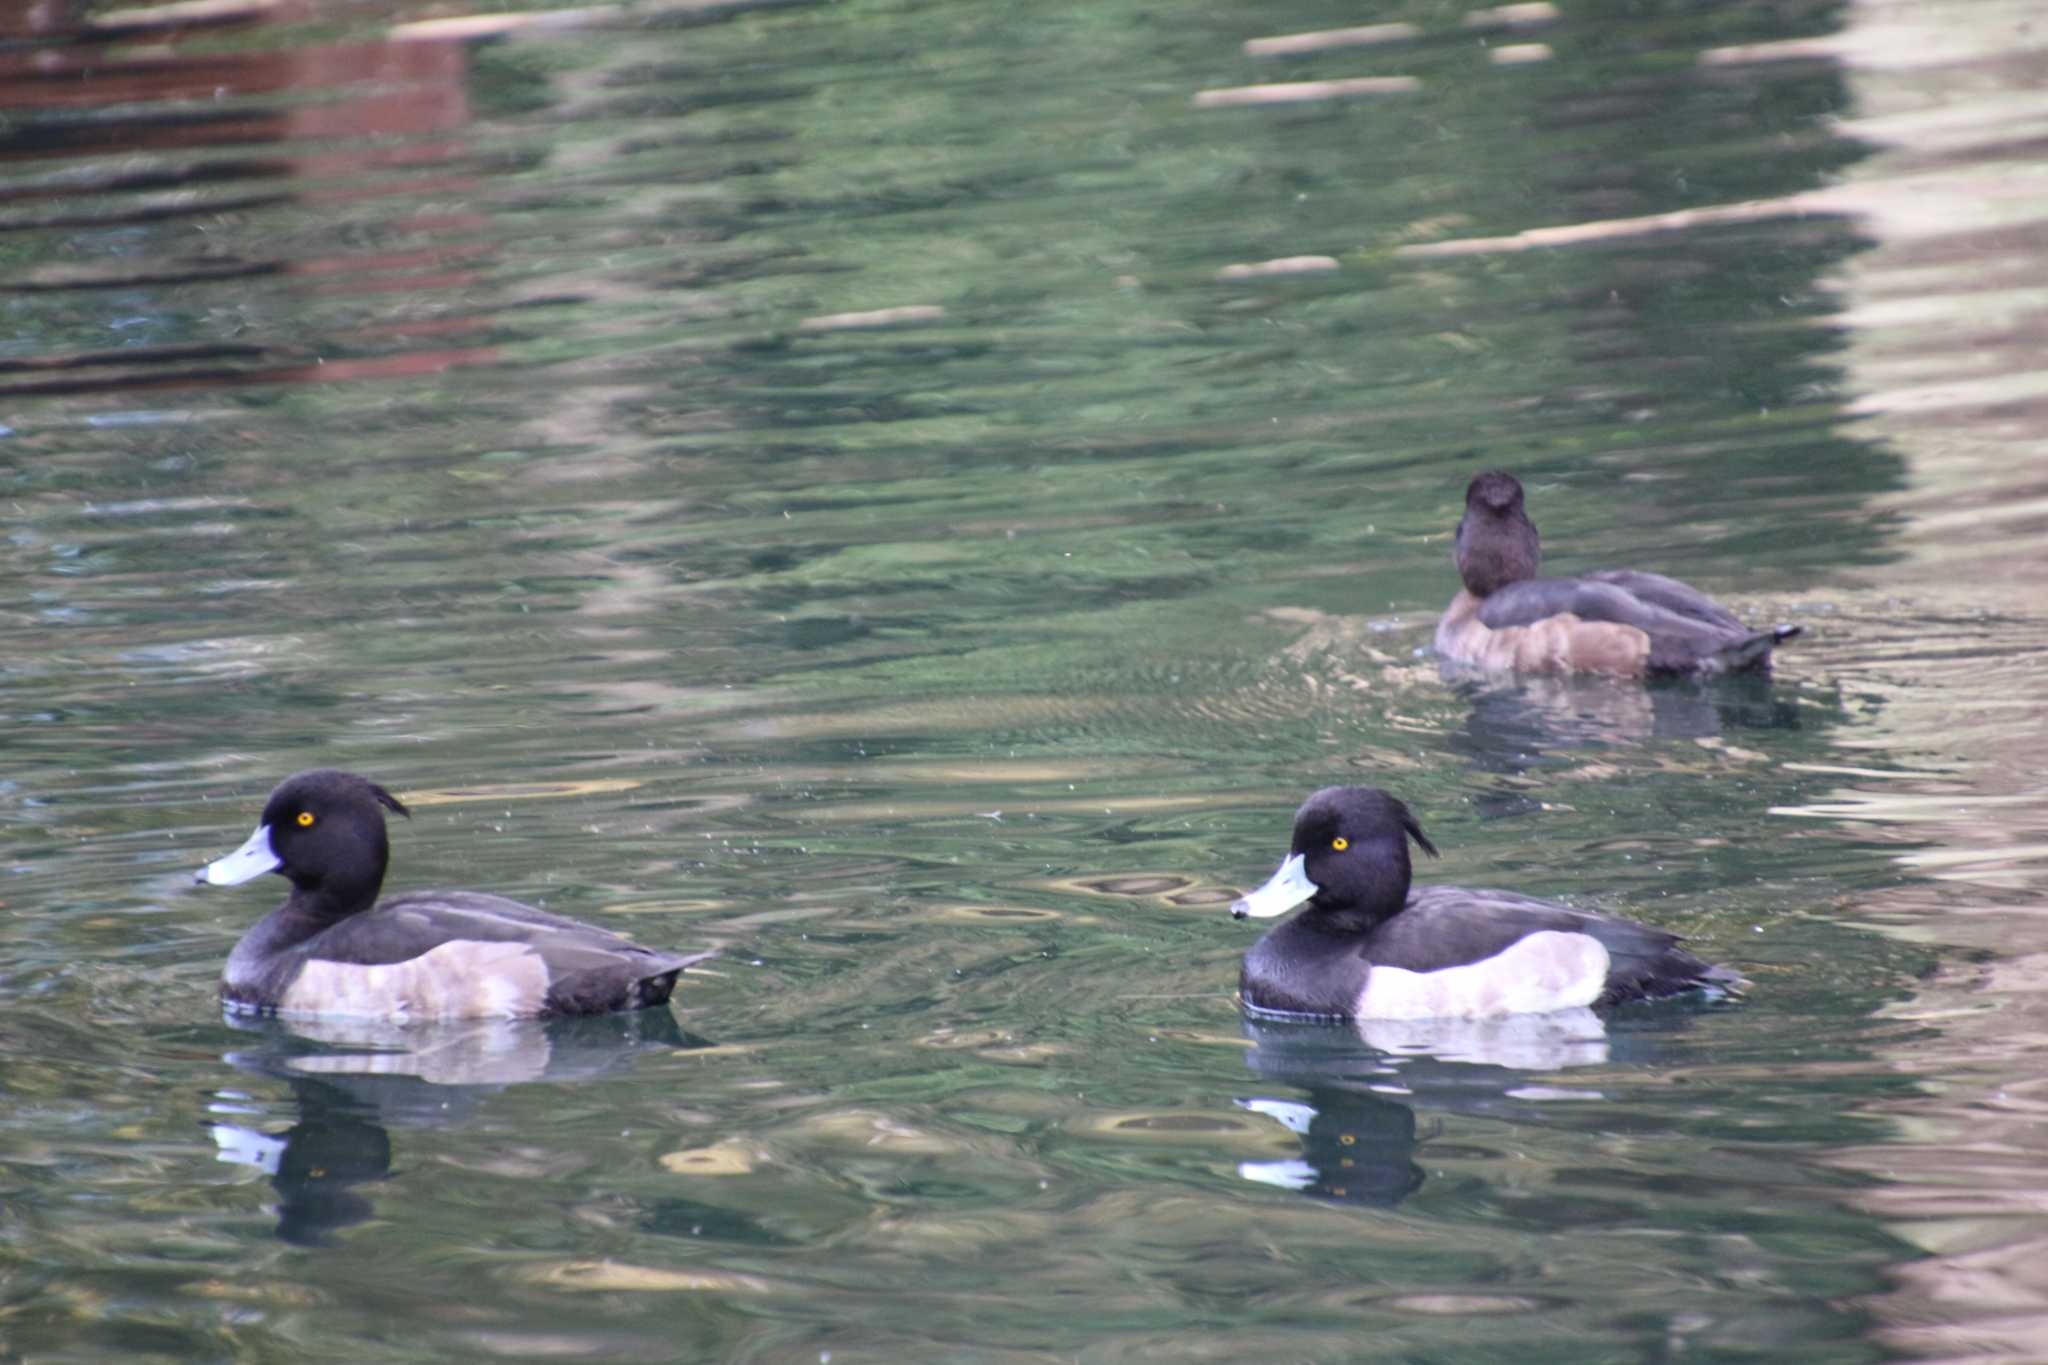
(319, 371)
(148, 213)
(159, 21)
(156, 178)
(190, 272)
(93, 368)
(139, 355)
(118, 383)
(160, 130)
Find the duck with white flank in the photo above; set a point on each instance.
(1370, 946)
(333, 948)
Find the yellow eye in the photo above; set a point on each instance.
(305, 819)
(1340, 843)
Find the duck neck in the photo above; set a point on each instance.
(317, 902)
(1349, 921)
(1496, 549)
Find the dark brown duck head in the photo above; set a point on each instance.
(1497, 543)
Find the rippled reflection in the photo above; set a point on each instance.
(1511, 722)
(915, 493)
(353, 1080)
(1366, 1081)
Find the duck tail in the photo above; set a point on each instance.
(1752, 651)
(1723, 982)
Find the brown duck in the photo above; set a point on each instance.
(1622, 622)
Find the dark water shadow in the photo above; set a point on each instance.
(1364, 1083)
(354, 1079)
(1513, 722)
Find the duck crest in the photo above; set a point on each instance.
(1497, 544)
(328, 831)
(1354, 846)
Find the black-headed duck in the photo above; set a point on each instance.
(333, 948)
(1617, 621)
(1369, 945)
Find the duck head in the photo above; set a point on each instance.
(323, 830)
(1497, 543)
(1349, 859)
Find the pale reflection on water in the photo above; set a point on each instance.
(1944, 349)
(352, 1080)
(1366, 1082)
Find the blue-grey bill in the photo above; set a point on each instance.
(247, 1147)
(1283, 891)
(1293, 1174)
(254, 858)
(1294, 1116)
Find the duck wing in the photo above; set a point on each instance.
(1687, 631)
(1595, 599)
(1444, 926)
(1453, 926)
(1670, 595)
(588, 969)
(401, 928)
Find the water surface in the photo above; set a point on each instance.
(913, 495)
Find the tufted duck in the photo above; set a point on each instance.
(332, 948)
(1618, 621)
(1369, 946)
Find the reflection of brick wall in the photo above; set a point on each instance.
(74, 21)
(225, 138)
(408, 88)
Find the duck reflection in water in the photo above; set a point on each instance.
(1365, 1080)
(354, 1079)
(1517, 722)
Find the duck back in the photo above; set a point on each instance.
(1459, 952)
(447, 955)
(1618, 621)
(1472, 925)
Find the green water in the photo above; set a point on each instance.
(483, 417)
